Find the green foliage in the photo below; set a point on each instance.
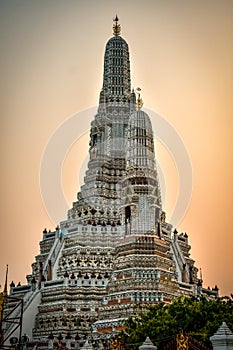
(199, 317)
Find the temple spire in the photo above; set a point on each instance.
(116, 82)
(5, 286)
(116, 27)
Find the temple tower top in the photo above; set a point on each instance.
(116, 78)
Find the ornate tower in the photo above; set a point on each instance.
(99, 200)
(140, 187)
(115, 254)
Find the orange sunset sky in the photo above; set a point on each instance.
(51, 65)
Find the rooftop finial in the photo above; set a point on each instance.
(5, 287)
(200, 274)
(139, 99)
(116, 27)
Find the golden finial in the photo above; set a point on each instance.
(139, 99)
(116, 27)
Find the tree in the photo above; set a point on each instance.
(198, 317)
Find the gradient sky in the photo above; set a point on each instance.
(51, 68)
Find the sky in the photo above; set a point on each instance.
(51, 62)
